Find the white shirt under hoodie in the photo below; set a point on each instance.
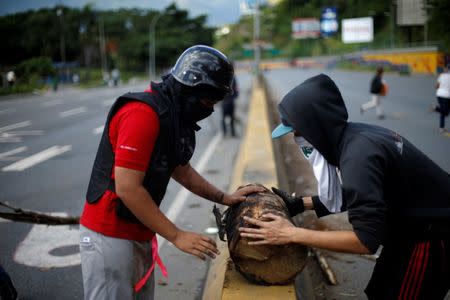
(329, 185)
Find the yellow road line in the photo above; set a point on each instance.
(255, 163)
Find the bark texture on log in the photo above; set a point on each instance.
(262, 264)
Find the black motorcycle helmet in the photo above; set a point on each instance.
(204, 66)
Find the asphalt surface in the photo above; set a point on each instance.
(47, 146)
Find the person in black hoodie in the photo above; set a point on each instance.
(394, 194)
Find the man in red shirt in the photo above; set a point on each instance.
(149, 138)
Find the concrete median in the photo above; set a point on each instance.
(255, 163)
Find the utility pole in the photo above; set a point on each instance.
(425, 26)
(152, 47)
(152, 43)
(101, 31)
(392, 33)
(62, 42)
(256, 37)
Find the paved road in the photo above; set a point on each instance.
(47, 146)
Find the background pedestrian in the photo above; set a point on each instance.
(443, 97)
(378, 88)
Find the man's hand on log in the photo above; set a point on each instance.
(240, 195)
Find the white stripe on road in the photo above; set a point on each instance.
(37, 158)
(4, 138)
(15, 126)
(20, 133)
(8, 110)
(37, 249)
(181, 197)
(52, 102)
(12, 152)
(71, 112)
(98, 130)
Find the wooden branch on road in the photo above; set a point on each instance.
(28, 216)
(326, 269)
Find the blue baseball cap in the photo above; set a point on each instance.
(282, 129)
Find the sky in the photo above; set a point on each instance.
(220, 12)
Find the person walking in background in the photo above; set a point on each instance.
(378, 88)
(394, 194)
(443, 97)
(11, 78)
(115, 74)
(228, 107)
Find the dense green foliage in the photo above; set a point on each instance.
(276, 27)
(439, 25)
(41, 33)
(39, 66)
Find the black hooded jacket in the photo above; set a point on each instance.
(390, 188)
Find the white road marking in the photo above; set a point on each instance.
(37, 158)
(8, 110)
(177, 204)
(12, 152)
(20, 133)
(98, 130)
(36, 249)
(4, 138)
(71, 112)
(52, 102)
(15, 126)
(4, 220)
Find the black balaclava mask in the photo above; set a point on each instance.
(193, 109)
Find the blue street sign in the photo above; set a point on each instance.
(328, 21)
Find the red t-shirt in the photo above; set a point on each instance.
(132, 132)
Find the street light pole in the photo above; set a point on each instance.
(152, 48)
(256, 37)
(101, 30)
(392, 24)
(60, 13)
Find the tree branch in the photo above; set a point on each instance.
(28, 216)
